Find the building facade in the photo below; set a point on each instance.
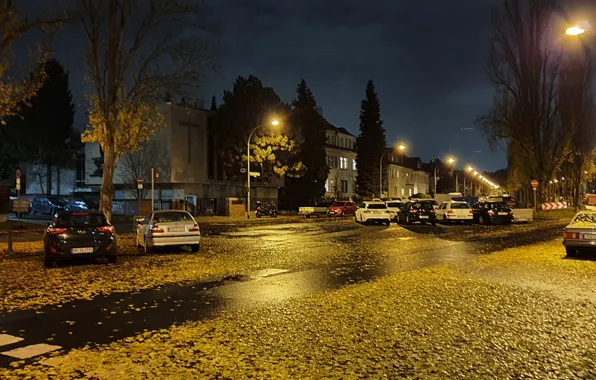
(404, 177)
(341, 159)
(184, 155)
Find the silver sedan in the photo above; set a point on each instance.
(168, 228)
(580, 234)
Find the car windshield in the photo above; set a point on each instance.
(377, 206)
(174, 216)
(57, 201)
(459, 206)
(394, 204)
(584, 218)
(338, 204)
(80, 220)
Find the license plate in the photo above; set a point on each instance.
(503, 213)
(176, 229)
(590, 236)
(81, 250)
(423, 217)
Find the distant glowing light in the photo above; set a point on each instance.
(575, 31)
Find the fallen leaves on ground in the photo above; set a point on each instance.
(434, 323)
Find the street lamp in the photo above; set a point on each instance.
(401, 148)
(469, 170)
(450, 161)
(575, 31)
(272, 123)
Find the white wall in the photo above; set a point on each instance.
(35, 174)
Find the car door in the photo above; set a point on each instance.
(142, 229)
(442, 210)
(351, 208)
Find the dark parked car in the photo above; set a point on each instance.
(77, 205)
(46, 205)
(422, 211)
(492, 213)
(72, 235)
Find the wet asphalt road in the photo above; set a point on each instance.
(108, 318)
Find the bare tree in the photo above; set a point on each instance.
(524, 68)
(578, 114)
(138, 164)
(137, 52)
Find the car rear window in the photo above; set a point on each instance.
(338, 204)
(377, 206)
(394, 204)
(460, 206)
(423, 205)
(164, 217)
(80, 220)
(584, 218)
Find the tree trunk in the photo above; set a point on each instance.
(58, 180)
(107, 180)
(49, 179)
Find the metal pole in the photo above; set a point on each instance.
(139, 200)
(535, 204)
(381, 175)
(436, 168)
(457, 182)
(248, 171)
(464, 192)
(19, 205)
(152, 189)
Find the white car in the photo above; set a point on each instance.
(394, 207)
(375, 211)
(454, 211)
(168, 228)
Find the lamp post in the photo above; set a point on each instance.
(154, 175)
(401, 148)
(450, 161)
(273, 123)
(469, 170)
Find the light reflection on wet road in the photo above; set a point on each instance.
(372, 252)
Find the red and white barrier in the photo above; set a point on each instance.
(554, 206)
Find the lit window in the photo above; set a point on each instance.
(402, 191)
(327, 185)
(354, 165)
(343, 163)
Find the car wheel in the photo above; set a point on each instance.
(48, 262)
(146, 248)
(445, 220)
(112, 259)
(195, 248)
(571, 252)
(388, 222)
(434, 222)
(481, 220)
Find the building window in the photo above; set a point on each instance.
(328, 139)
(409, 192)
(354, 165)
(402, 192)
(397, 173)
(343, 163)
(344, 186)
(335, 161)
(327, 185)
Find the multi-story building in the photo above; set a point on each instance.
(186, 163)
(404, 176)
(341, 159)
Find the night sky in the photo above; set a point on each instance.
(427, 59)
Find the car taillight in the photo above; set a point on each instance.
(450, 212)
(106, 229)
(56, 231)
(433, 210)
(570, 235)
(414, 210)
(471, 211)
(491, 212)
(156, 229)
(194, 228)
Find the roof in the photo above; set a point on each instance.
(331, 127)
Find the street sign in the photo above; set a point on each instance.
(255, 174)
(18, 173)
(140, 183)
(534, 184)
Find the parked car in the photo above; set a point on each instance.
(168, 228)
(76, 205)
(373, 211)
(453, 211)
(79, 235)
(342, 208)
(46, 205)
(422, 211)
(395, 208)
(580, 234)
(492, 213)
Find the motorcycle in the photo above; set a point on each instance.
(266, 211)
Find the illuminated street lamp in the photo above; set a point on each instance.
(273, 123)
(575, 31)
(450, 161)
(401, 148)
(469, 170)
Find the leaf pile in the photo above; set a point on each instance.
(432, 323)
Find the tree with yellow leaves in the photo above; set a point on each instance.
(14, 23)
(137, 52)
